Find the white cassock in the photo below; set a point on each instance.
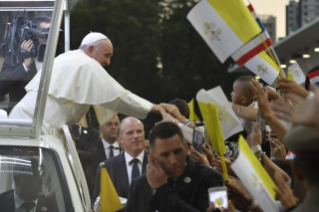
(77, 82)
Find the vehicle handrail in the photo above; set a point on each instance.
(47, 67)
(16, 122)
(79, 173)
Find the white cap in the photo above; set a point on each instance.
(93, 37)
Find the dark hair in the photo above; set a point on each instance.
(38, 20)
(181, 105)
(307, 82)
(310, 169)
(162, 131)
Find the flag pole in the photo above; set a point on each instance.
(272, 57)
(278, 61)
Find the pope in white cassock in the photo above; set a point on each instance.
(79, 81)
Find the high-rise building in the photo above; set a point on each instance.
(269, 22)
(300, 13)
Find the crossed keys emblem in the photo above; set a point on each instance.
(262, 69)
(295, 73)
(210, 29)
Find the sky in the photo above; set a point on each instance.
(276, 8)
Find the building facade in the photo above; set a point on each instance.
(300, 13)
(269, 22)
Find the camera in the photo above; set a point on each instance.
(18, 31)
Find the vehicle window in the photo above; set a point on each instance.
(32, 175)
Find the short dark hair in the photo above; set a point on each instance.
(38, 20)
(307, 82)
(181, 105)
(162, 131)
(310, 169)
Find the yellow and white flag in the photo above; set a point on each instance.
(296, 74)
(254, 177)
(228, 121)
(225, 25)
(109, 198)
(263, 66)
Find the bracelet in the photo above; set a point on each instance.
(252, 206)
(239, 109)
(186, 122)
(272, 158)
(259, 156)
(310, 95)
(262, 158)
(256, 148)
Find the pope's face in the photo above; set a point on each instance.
(103, 52)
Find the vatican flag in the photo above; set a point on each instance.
(225, 25)
(227, 118)
(296, 74)
(254, 177)
(109, 198)
(264, 67)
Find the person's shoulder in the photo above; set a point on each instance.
(114, 160)
(206, 171)
(93, 130)
(140, 180)
(6, 194)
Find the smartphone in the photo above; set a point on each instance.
(198, 139)
(218, 199)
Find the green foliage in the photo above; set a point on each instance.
(144, 32)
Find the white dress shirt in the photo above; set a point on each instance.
(116, 149)
(129, 167)
(38, 65)
(18, 201)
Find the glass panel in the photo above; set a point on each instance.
(32, 174)
(24, 28)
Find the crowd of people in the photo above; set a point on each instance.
(165, 172)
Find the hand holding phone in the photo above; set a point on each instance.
(218, 199)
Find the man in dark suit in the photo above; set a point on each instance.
(86, 140)
(108, 146)
(174, 182)
(14, 78)
(27, 195)
(129, 164)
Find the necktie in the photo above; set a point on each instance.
(111, 151)
(28, 206)
(135, 170)
(171, 183)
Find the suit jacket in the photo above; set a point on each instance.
(190, 193)
(13, 80)
(100, 155)
(116, 167)
(7, 203)
(86, 146)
